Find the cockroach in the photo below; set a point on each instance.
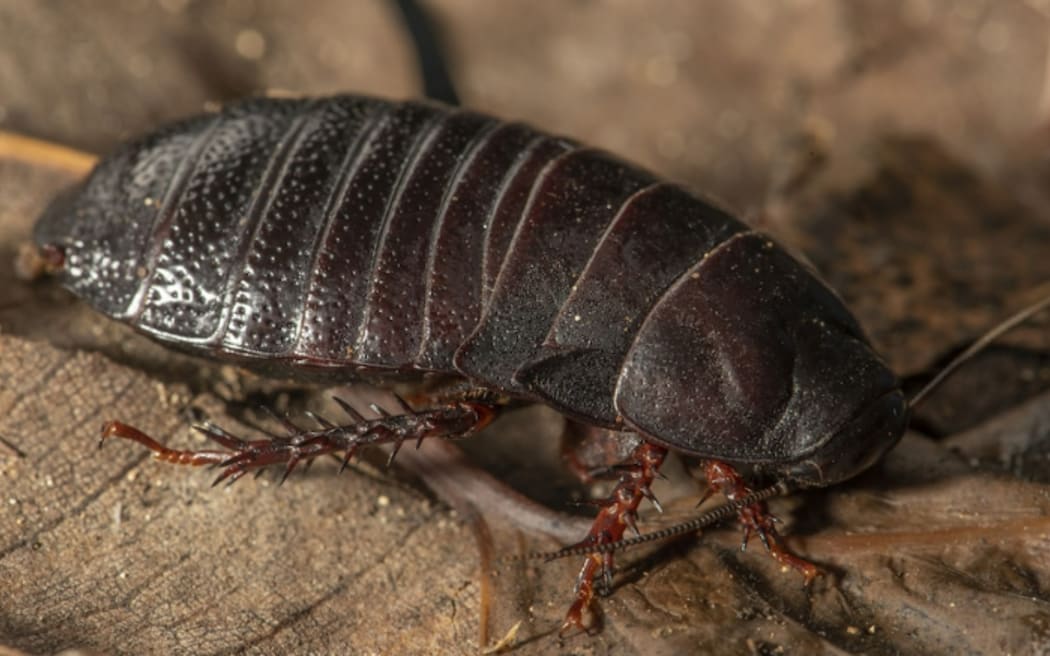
(353, 238)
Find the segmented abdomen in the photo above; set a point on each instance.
(351, 233)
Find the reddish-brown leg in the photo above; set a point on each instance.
(755, 518)
(590, 451)
(451, 419)
(617, 514)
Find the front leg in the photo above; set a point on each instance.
(453, 418)
(755, 518)
(617, 514)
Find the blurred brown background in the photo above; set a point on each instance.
(901, 146)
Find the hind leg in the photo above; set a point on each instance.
(449, 418)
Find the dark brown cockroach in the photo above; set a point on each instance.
(350, 237)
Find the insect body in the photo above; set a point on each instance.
(352, 237)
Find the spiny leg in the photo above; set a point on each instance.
(450, 419)
(617, 514)
(755, 518)
(591, 452)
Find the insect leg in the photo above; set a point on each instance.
(618, 513)
(451, 419)
(592, 452)
(755, 518)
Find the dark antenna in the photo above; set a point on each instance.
(712, 516)
(979, 345)
(437, 83)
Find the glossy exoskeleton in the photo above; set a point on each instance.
(353, 237)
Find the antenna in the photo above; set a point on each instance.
(979, 345)
(716, 514)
